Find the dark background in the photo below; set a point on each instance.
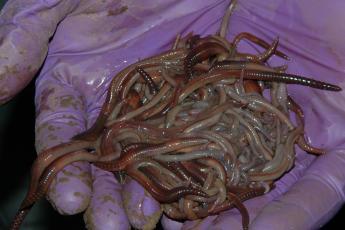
(17, 152)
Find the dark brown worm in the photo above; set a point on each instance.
(159, 192)
(183, 173)
(261, 73)
(201, 53)
(219, 75)
(151, 84)
(291, 79)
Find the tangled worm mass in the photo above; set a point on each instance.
(193, 126)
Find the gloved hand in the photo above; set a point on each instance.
(83, 44)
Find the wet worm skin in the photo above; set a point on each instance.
(47, 177)
(280, 77)
(197, 134)
(258, 41)
(290, 79)
(159, 192)
(302, 143)
(201, 53)
(19, 218)
(114, 89)
(151, 84)
(147, 152)
(183, 173)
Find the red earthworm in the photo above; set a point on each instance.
(215, 39)
(143, 108)
(243, 210)
(183, 173)
(149, 152)
(155, 175)
(160, 108)
(48, 156)
(114, 89)
(45, 180)
(258, 41)
(214, 123)
(244, 194)
(253, 75)
(152, 85)
(146, 130)
(239, 65)
(263, 57)
(158, 192)
(194, 169)
(201, 53)
(302, 143)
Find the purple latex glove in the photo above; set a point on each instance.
(93, 40)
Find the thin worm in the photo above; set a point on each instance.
(275, 169)
(149, 152)
(194, 169)
(243, 210)
(183, 173)
(253, 133)
(302, 143)
(160, 194)
(252, 75)
(201, 53)
(157, 178)
(152, 85)
(225, 21)
(258, 41)
(45, 180)
(161, 108)
(159, 167)
(221, 195)
(50, 155)
(260, 58)
(189, 156)
(115, 87)
(143, 108)
(225, 145)
(272, 109)
(177, 41)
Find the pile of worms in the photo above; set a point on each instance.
(202, 127)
